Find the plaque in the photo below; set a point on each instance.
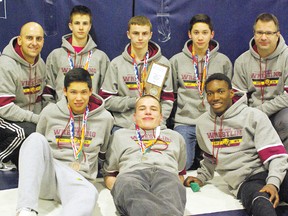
(155, 79)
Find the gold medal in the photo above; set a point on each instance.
(75, 165)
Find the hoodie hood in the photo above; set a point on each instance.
(279, 49)
(96, 105)
(213, 47)
(153, 49)
(67, 45)
(10, 52)
(234, 110)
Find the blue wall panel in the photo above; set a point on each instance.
(233, 21)
(110, 19)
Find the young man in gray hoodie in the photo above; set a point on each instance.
(125, 79)
(240, 143)
(262, 72)
(200, 57)
(60, 161)
(145, 165)
(22, 73)
(78, 49)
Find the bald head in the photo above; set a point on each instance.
(31, 41)
(31, 26)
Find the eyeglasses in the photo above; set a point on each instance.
(267, 33)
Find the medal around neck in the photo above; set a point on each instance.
(75, 165)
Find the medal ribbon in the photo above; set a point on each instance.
(86, 65)
(141, 82)
(200, 80)
(144, 148)
(77, 152)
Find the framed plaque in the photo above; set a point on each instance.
(155, 79)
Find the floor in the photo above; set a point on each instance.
(213, 199)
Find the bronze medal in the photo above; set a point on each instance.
(75, 165)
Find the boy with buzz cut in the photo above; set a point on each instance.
(197, 61)
(60, 160)
(145, 164)
(77, 50)
(124, 80)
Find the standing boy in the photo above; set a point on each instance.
(197, 61)
(124, 80)
(78, 50)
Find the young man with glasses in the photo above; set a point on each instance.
(262, 72)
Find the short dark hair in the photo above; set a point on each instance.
(267, 17)
(201, 18)
(80, 9)
(218, 76)
(77, 75)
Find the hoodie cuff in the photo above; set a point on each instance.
(275, 181)
(34, 118)
(131, 103)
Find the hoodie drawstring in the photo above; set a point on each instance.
(215, 154)
(262, 86)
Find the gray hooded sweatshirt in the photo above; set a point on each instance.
(21, 86)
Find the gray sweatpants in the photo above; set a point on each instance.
(149, 192)
(42, 176)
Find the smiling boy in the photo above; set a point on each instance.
(241, 145)
(60, 161)
(145, 165)
(197, 61)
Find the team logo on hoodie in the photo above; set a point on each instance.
(225, 138)
(63, 138)
(130, 81)
(32, 86)
(91, 71)
(189, 81)
(266, 79)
